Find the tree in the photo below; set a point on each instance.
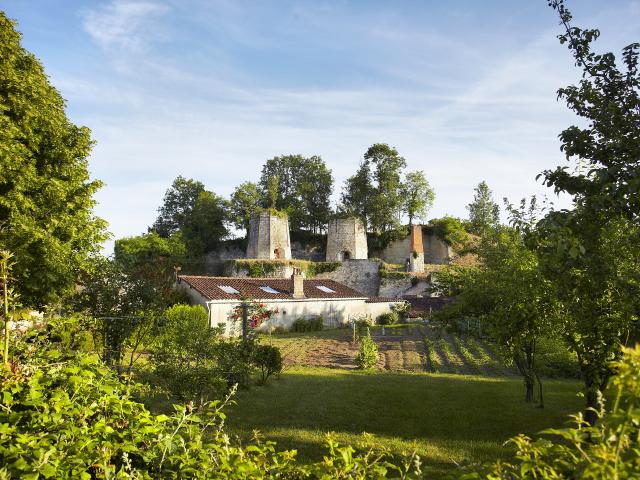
(138, 279)
(387, 173)
(46, 194)
(484, 213)
(607, 148)
(375, 192)
(357, 194)
(593, 267)
(418, 196)
(205, 226)
(589, 252)
(177, 205)
(510, 296)
(195, 212)
(244, 202)
(301, 187)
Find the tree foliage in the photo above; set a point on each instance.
(244, 202)
(418, 196)
(66, 416)
(198, 214)
(484, 213)
(303, 189)
(589, 252)
(607, 148)
(376, 192)
(510, 295)
(46, 195)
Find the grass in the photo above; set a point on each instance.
(449, 419)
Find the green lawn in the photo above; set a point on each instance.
(448, 418)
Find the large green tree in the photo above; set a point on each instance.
(376, 192)
(198, 214)
(244, 202)
(46, 194)
(590, 253)
(484, 213)
(304, 187)
(418, 196)
(510, 295)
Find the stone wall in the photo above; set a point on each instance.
(361, 275)
(215, 261)
(397, 287)
(346, 240)
(276, 270)
(435, 250)
(269, 237)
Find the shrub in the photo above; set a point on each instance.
(451, 230)
(312, 325)
(233, 360)
(368, 354)
(183, 355)
(388, 318)
(65, 415)
(402, 309)
(268, 360)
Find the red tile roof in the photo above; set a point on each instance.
(209, 287)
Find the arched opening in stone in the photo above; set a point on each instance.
(278, 253)
(346, 255)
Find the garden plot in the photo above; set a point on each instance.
(410, 348)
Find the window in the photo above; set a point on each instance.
(325, 289)
(228, 289)
(267, 289)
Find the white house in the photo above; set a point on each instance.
(294, 298)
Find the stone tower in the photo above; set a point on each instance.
(416, 258)
(269, 237)
(346, 240)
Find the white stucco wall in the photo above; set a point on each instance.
(335, 312)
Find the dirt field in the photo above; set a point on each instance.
(416, 348)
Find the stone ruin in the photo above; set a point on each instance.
(346, 240)
(269, 237)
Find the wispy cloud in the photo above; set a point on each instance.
(127, 24)
(465, 93)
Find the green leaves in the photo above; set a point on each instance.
(46, 199)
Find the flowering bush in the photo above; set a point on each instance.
(257, 313)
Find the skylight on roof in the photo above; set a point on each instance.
(325, 289)
(267, 289)
(228, 289)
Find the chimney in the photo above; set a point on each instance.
(297, 283)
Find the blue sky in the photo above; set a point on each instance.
(210, 89)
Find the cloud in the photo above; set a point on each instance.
(126, 24)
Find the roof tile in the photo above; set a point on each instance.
(209, 287)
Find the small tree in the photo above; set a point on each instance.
(368, 354)
(244, 202)
(418, 196)
(268, 359)
(484, 213)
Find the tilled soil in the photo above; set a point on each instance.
(411, 348)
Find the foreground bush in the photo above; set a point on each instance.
(65, 415)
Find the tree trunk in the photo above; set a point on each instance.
(529, 396)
